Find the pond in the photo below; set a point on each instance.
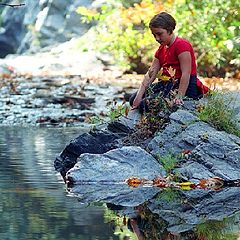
(33, 201)
(35, 204)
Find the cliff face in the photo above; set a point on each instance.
(39, 24)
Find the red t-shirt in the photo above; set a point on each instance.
(168, 56)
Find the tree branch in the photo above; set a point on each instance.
(12, 5)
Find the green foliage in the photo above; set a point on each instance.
(219, 112)
(123, 31)
(212, 26)
(169, 162)
(115, 111)
(95, 120)
(120, 227)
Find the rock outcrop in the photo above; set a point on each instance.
(205, 153)
(38, 24)
(211, 152)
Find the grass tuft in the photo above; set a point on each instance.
(219, 113)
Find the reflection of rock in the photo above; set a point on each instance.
(119, 194)
(195, 207)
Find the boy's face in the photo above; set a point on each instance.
(161, 35)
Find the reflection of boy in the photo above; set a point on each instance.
(136, 225)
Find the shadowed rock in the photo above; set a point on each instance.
(92, 142)
(99, 142)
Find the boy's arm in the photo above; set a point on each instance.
(149, 77)
(185, 65)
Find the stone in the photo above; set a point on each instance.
(102, 177)
(92, 142)
(216, 153)
(116, 165)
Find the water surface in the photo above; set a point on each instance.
(33, 200)
(34, 203)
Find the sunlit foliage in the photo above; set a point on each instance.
(124, 31)
(212, 26)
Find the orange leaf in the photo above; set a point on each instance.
(160, 182)
(134, 182)
(126, 111)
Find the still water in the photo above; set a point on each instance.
(33, 200)
(34, 203)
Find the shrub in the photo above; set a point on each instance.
(124, 32)
(212, 26)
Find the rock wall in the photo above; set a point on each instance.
(39, 24)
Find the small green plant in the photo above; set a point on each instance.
(95, 120)
(116, 111)
(169, 162)
(219, 112)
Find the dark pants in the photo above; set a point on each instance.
(165, 87)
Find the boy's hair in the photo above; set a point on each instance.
(163, 20)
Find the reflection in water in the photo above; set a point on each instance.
(33, 201)
(146, 225)
(171, 214)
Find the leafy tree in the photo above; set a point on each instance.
(212, 26)
(123, 31)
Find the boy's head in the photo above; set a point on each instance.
(163, 20)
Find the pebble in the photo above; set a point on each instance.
(31, 101)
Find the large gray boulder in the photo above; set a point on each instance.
(102, 177)
(116, 165)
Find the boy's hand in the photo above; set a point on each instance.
(136, 102)
(178, 100)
